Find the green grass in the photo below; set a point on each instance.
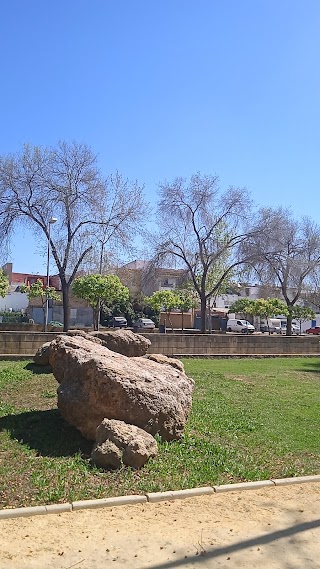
(252, 419)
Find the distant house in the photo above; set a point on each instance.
(140, 277)
(14, 299)
(81, 313)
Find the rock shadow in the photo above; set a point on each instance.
(311, 366)
(38, 370)
(46, 432)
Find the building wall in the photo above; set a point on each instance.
(81, 314)
(15, 300)
(139, 279)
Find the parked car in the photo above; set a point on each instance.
(118, 322)
(315, 330)
(55, 323)
(237, 325)
(295, 329)
(144, 323)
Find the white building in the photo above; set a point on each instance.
(14, 300)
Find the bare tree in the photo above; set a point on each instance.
(311, 292)
(120, 219)
(202, 229)
(65, 182)
(286, 253)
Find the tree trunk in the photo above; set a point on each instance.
(44, 316)
(169, 319)
(289, 325)
(182, 323)
(210, 320)
(203, 314)
(66, 311)
(96, 316)
(268, 326)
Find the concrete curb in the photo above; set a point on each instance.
(296, 480)
(243, 486)
(221, 356)
(58, 508)
(179, 494)
(152, 497)
(109, 502)
(23, 512)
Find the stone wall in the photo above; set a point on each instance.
(184, 344)
(23, 342)
(232, 344)
(20, 327)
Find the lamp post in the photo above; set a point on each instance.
(51, 222)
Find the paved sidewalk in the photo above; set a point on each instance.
(270, 528)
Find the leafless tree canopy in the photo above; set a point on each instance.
(66, 183)
(202, 229)
(285, 251)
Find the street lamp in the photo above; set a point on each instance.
(51, 222)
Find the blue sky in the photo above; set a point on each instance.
(166, 88)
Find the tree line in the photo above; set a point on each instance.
(217, 236)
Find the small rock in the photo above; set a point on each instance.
(118, 443)
(41, 357)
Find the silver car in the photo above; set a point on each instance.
(144, 323)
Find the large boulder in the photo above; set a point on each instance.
(118, 443)
(123, 342)
(96, 383)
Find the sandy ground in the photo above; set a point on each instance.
(276, 527)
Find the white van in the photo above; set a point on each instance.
(237, 325)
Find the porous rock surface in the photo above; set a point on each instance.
(96, 383)
(83, 334)
(41, 357)
(161, 359)
(118, 443)
(123, 342)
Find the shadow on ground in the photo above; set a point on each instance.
(311, 366)
(46, 432)
(38, 370)
(205, 555)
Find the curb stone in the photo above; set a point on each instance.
(23, 512)
(58, 508)
(109, 502)
(179, 494)
(296, 480)
(243, 486)
(152, 497)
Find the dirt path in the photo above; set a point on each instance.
(271, 528)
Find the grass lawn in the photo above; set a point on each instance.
(251, 420)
